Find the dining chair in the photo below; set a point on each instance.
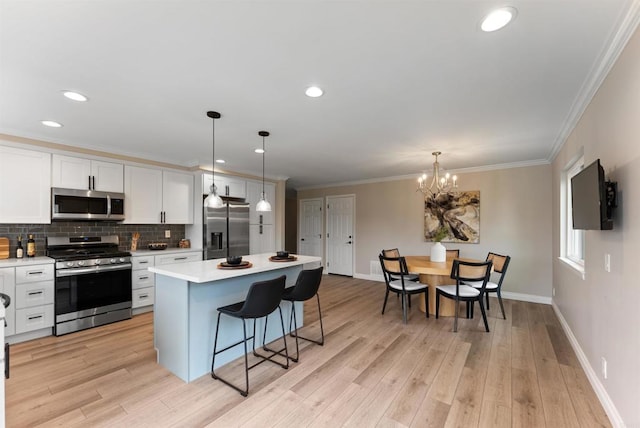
(393, 252)
(396, 267)
(262, 299)
(500, 265)
(453, 254)
(463, 271)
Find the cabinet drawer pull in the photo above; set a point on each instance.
(35, 317)
(144, 296)
(180, 258)
(143, 277)
(143, 262)
(35, 272)
(33, 293)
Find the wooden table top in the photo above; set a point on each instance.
(423, 264)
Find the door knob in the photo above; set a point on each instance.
(302, 239)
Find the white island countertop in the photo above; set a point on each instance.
(207, 270)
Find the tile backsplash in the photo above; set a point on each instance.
(148, 233)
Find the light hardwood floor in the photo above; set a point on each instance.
(372, 371)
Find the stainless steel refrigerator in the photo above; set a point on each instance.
(226, 230)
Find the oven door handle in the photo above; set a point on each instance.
(93, 269)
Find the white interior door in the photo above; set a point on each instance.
(340, 236)
(310, 227)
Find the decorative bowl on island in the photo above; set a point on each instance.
(234, 260)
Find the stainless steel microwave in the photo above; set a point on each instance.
(72, 204)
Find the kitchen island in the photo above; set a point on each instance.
(187, 296)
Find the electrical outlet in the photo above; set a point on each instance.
(167, 234)
(553, 291)
(607, 262)
(604, 368)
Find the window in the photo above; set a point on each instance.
(573, 242)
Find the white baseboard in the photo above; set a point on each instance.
(601, 392)
(30, 335)
(532, 298)
(378, 278)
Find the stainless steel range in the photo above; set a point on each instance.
(92, 282)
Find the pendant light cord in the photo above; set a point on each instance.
(213, 115)
(263, 153)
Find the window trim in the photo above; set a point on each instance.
(568, 235)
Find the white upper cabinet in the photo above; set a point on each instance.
(78, 173)
(262, 238)
(177, 197)
(227, 186)
(25, 186)
(154, 196)
(254, 193)
(142, 195)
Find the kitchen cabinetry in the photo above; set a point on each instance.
(78, 173)
(143, 281)
(154, 196)
(8, 287)
(34, 289)
(227, 186)
(25, 186)
(262, 235)
(262, 238)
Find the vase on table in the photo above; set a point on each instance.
(438, 252)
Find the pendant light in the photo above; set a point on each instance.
(213, 200)
(263, 205)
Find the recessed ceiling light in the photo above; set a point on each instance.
(259, 151)
(498, 18)
(313, 92)
(51, 123)
(220, 161)
(75, 96)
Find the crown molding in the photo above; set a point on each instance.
(600, 70)
(484, 168)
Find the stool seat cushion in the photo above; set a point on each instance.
(232, 310)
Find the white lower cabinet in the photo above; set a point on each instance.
(143, 297)
(8, 287)
(34, 297)
(36, 318)
(143, 282)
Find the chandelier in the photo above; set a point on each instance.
(441, 182)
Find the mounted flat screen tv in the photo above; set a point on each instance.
(592, 198)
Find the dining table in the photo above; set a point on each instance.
(433, 274)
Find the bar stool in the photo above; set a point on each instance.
(306, 287)
(262, 299)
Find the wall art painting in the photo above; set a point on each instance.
(458, 212)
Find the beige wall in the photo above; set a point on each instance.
(515, 219)
(602, 310)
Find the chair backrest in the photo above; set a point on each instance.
(263, 298)
(463, 271)
(453, 254)
(500, 264)
(396, 266)
(393, 252)
(307, 284)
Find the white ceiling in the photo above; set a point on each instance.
(401, 79)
